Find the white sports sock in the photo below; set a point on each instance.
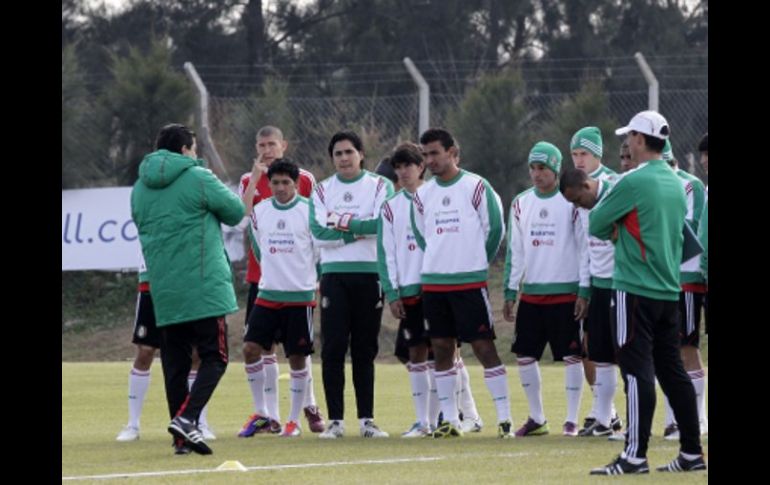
(632, 460)
(606, 384)
(592, 412)
(434, 408)
(255, 375)
(698, 378)
(467, 403)
(573, 385)
(496, 379)
(297, 387)
(138, 383)
(270, 363)
(418, 378)
(309, 393)
(446, 383)
(529, 374)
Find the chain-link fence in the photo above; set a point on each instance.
(384, 121)
(97, 152)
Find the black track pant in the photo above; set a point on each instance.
(209, 336)
(351, 314)
(645, 333)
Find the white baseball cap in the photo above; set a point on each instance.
(648, 122)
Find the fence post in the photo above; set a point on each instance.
(652, 81)
(204, 132)
(424, 91)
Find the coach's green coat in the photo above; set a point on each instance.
(178, 206)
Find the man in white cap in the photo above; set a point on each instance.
(648, 208)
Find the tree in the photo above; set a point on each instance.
(84, 139)
(144, 95)
(589, 107)
(237, 123)
(492, 128)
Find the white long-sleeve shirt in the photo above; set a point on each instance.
(399, 257)
(459, 224)
(601, 254)
(546, 252)
(354, 251)
(283, 245)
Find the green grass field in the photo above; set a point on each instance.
(94, 409)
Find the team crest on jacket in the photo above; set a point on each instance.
(543, 213)
(347, 197)
(446, 201)
(281, 225)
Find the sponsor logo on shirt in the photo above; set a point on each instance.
(542, 242)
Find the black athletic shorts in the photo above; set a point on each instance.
(145, 330)
(464, 314)
(292, 326)
(554, 324)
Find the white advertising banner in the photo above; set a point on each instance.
(97, 230)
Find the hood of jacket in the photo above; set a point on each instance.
(161, 168)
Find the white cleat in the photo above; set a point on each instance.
(206, 432)
(469, 425)
(418, 430)
(336, 429)
(291, 429)
(370, 430)
(129, 433)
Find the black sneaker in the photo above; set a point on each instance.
(187, 431)
(588, 429)
(682, 464)
(600, 430)
(616, 424)
(621, 466)
(588, 424)
(180, 448)
(671, 433)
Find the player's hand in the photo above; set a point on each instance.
(341, 222)
(397, 309)
(581, 308)
(509, 314)
(259, 166)
(332, 218)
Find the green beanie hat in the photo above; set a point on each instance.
(588, 138)
(547, 154)
(668, 152)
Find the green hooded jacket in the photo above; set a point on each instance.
(178, 206)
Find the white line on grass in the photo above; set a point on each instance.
(250, 468)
